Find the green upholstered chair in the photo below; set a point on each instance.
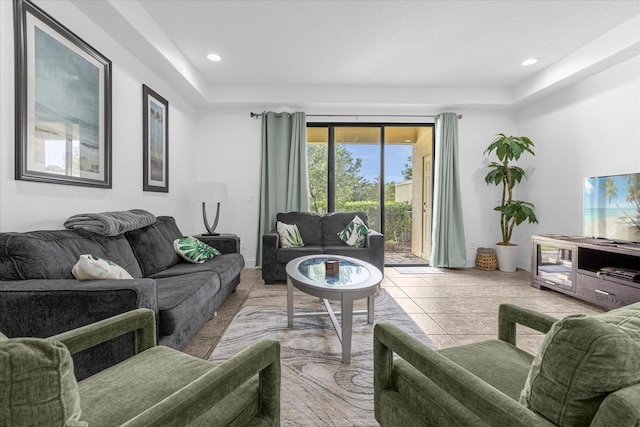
(158, 386)
(587, 373)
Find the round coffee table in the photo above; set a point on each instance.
(356, 279)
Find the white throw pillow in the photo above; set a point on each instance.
(91, 267)
(289, 235)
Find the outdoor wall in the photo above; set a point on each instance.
(591, 128)
(422, 148)
(29, 205)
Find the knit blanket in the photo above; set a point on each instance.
(111, 223)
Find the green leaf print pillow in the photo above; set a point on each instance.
(354, 233)
(194, 250)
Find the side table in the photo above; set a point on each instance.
(225, 243)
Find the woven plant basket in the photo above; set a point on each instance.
(486, 259)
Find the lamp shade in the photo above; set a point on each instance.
(212, 192)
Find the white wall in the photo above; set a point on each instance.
(30, 205)
(481, 222)
(591, 128)
(228, 151)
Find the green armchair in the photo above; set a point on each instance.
(158, 386)
(586, 373)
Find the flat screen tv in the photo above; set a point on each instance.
(612, 207)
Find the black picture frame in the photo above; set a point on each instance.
(63, 123)
(155, 141)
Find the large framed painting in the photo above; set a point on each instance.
(63, 103)
(155, 136)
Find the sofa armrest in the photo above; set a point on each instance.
(510, 314)
(41, 308)
(270, 245)
(141, 321)
(186, 405)
(485, 401)
(375, 244)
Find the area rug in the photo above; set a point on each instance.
(417, 270)
(317, 388)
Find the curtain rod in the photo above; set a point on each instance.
(256, 115)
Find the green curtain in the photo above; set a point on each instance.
(447, 238)
(284, 183)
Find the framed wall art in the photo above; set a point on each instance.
(155, 136)
(63, 103)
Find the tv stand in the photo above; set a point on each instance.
(573, 265)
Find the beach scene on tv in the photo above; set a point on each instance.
(612, 207)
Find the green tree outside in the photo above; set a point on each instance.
(356, 193)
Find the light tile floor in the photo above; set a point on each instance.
(458, 306)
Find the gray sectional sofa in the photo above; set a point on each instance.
(39, 296)
(320, 236)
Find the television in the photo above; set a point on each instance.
(612, 207)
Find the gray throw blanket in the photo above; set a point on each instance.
(111, 223)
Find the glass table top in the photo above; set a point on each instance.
(350, 273)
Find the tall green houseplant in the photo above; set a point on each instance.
(512, 212)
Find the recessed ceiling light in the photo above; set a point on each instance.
(213, 57)
(529, 61)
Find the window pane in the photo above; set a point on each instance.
(357, 171)
(398, 180)
(317, 164)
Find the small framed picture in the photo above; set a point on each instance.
(63, 103)
(155, 135)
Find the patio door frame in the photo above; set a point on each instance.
(331, 178)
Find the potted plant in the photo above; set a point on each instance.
(512, 212)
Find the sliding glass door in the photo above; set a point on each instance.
(372, 168)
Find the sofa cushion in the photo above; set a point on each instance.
(284, 255)
(37, 385)
(226, 266)
(153, 245)
(123, 391)
(344, 250)
(309, 224)
(335, 222)
(52, 254)
(581, 360)
(178, 297)
(91, 267)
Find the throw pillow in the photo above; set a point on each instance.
(289, 235)
(354, 233)
(581, 360)
(91, 267)
(37, 385)
(194, 250)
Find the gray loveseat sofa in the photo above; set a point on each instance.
(320, 236)
(39, 296)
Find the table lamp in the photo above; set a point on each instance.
(213, 192)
